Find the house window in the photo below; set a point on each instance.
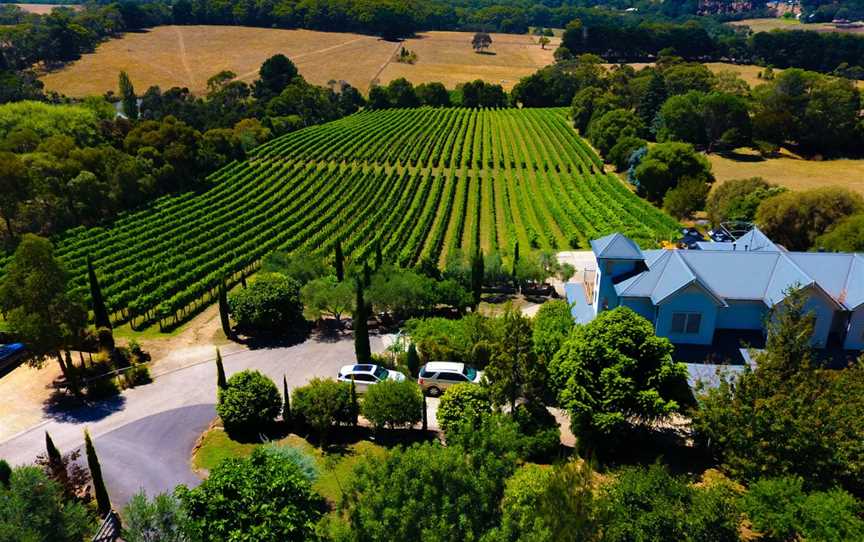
(686, 322)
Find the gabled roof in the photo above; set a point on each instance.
(752, 241)
(616, 247)
(763, 275)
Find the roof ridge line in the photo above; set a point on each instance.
(771, 275)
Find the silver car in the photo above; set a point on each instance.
(437, 376)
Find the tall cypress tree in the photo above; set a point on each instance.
(103, 502)
(221, 381)
(127, 95)
(515, 261)
(651, 102)
(100, 313)
(367, 275)
(477, 277)
(286, 404)
(379, 257)
(355, 408)
(5, 473)
(223, 310)
(361, 329)
(412, 360)
(54, 455)
(425, 415)
(339, 263)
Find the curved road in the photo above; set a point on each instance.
(144, 438)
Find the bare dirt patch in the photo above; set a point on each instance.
(790, 170)
(449, 58)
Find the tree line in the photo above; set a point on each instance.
(631, 39)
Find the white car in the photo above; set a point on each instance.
(366, 374)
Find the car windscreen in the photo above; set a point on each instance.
(381, 373)
(471, 373)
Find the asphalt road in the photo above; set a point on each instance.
(144, 437)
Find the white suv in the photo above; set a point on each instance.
(366, 374)
(437, 376)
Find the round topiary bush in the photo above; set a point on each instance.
(249, 404)
(271, 304)
(322, 403)
(461, 403)
(393, 404)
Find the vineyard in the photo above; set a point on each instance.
(421, 182)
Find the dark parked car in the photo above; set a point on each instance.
(11, 354)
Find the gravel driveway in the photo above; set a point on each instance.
(145, 436)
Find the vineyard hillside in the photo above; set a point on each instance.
(423, 183)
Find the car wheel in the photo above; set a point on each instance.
(433, 392)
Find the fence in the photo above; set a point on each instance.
(110, 529)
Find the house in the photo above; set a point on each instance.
(690, 294)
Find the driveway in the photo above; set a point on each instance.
(144, 437)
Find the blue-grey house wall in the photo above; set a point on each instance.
(691, 299)
(605, 296)
(855, 336)
(742, 314)
(641, 306)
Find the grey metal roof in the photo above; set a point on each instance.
(711, 375)
(754, 240)
(753, 275)
(617, 247)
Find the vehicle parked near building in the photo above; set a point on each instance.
(437, 376)
(367, 374)
(10, 354)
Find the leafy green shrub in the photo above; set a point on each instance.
(612, 369)
(619, 154)
(393, 404)
(34, 508)
(162, 518)
(651, 504)
(262, 498)
(541, 436)
(302, 460)
(611, 127)
(323, 403)
(463, 403)
(136, 375)
(270, 304)
(780, 510)
(426, 492)
(249, 404)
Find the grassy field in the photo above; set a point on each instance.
(766, 25)
(448, 57)
(791, 171)
(187, 56)
(42, 9)
(335, 467)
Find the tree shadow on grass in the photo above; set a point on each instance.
(64, 408)
(741, 157)
(647, 446)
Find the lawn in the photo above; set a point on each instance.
(790, 170)
(335, 465)
(187, 56)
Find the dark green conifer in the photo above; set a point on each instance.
(5, 473)
(223, 310)
(361, 329)
(412, 360)
(339, 262)
(477, 278)
(355, 408)
(100, 313)
(221, 381)
(286, 404)
(379, 257)
(103, 502)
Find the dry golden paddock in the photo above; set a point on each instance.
(43, 9)
(188, 55)
(790, 170)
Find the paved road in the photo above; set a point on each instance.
(145, 436)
